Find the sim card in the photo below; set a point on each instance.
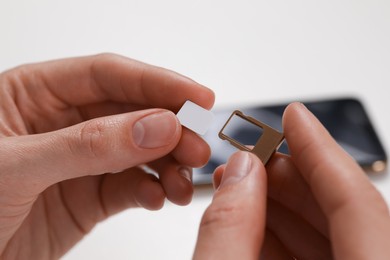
(195, 117)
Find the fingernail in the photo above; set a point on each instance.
(186, 172)
(155, 130)
(238, 166)
(305, 113)
(302, 106)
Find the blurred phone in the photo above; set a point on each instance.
(345, 118)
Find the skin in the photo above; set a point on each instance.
(66, 126)
(76, 135)
(316, 204)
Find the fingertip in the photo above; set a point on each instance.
(191, 149)
(209, 98)
(186, 173)
(175, 178)
(149, 194)
(217, 176)
(182, 193)
(205, 97)
(290, 114)
(240, 165)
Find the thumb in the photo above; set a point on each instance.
(233, 225)
(109, 144)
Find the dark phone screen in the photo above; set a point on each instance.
(345, 119)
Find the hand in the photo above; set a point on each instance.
(320, 203)
(64, 125)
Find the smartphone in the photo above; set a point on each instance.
(345, 118)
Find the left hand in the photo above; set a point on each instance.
(66, 124)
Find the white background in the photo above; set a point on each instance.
(248, 52)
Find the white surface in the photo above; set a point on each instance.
(195, 117)
(246, 51)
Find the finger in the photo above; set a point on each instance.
(105, 195)
(273, 248)
(129, 189)
(85, 80)
(174, 170)
(108, 144)
(296, 235)
(356, 211)
(175, 179)
(107, 108)
(191, 150)
(287, 187)
(232, 227)
(217, 175)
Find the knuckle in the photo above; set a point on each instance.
(93, 139)
(223, 215)
(102, 59)
(106, 55)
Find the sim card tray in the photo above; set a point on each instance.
(266, 145)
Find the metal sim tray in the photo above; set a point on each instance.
(267, 143)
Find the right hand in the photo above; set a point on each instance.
(320, 203)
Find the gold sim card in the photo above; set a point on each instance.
(268, 140)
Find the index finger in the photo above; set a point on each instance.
(356, 212)
(91, 79)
